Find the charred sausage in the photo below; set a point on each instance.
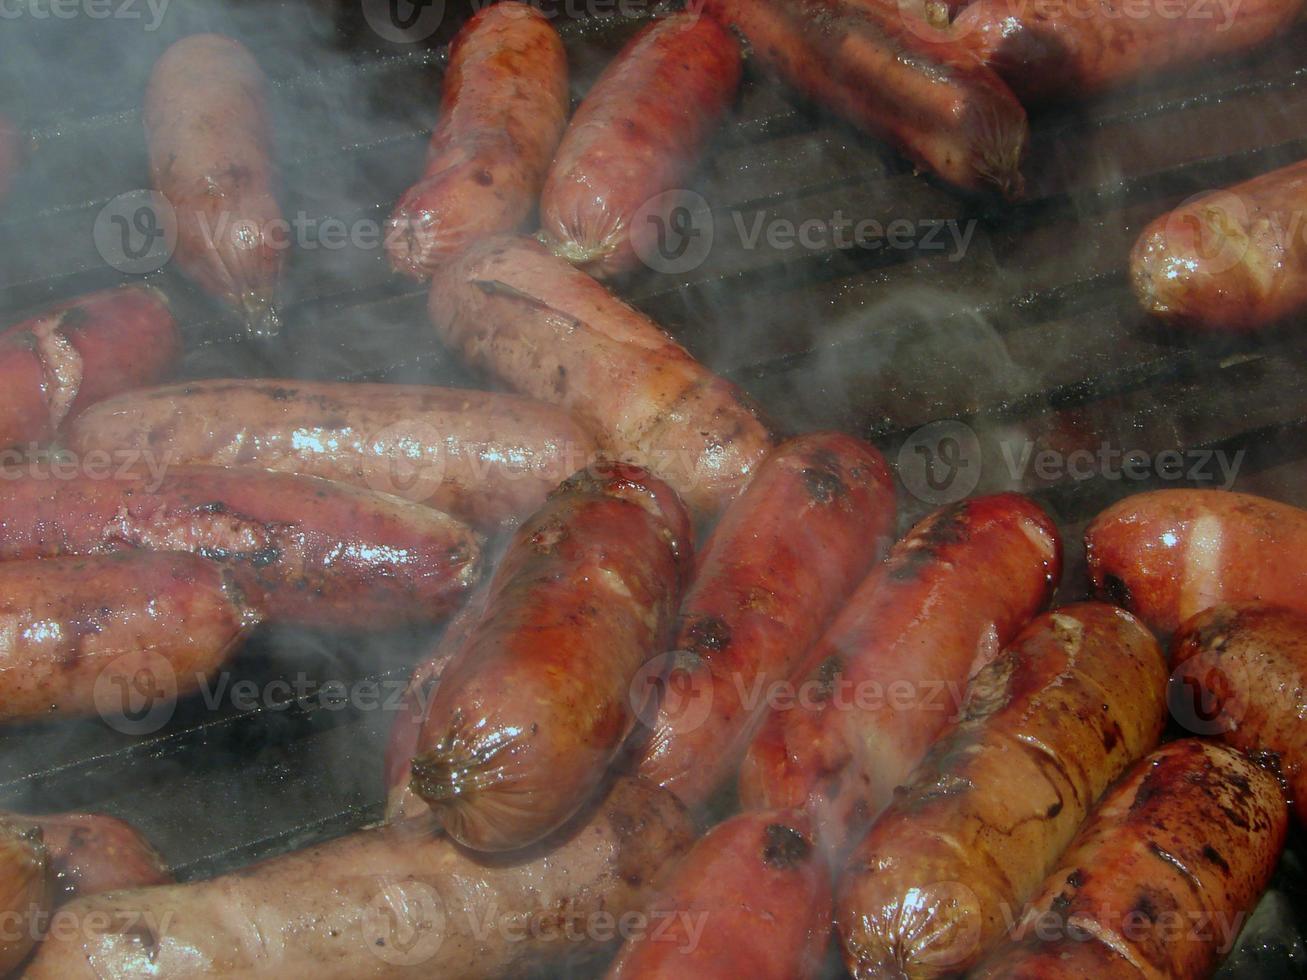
(1076, 698)
(90, 853)
(502, 111)
(26, 892)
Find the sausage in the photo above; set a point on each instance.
(78, 631)
(1168, 554)
(1073, 49)
(1243, 670)
(779, 565)
(944, 110)
(392, 901)
(209, 139)
(54, 365)
(90, 853)
(1232, 260)
(486, 458)
(887, 677)
(503, 108)
(1160, 879)
(751, 899)
(303, 550)
(637, 135)
(1076, 698)
(531, 321)
(534, 707)
(25, 891)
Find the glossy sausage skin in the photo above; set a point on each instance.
(302, 549)
(209, 137)
(76, 627)
(395, 901)
(531, 321)
(943, 109)
(636, 136)
(90, 853)
(1243, 669)
(1158, 882)
(751, 899)
(1168, 554)
(1076, 698)
(774, 573)
(55, 364)
(1234, 259)
(483, 457)
(26, 891)
(502, 111)
(533, 709)
(890, 673)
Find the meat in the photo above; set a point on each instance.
(55, 364)
(941, 107)
(1241, 673)
(1076, 698)
(636, 138)
(1159, 881)
(779, 565)
(83, 635)
(1168, 554)
(90, 853)
(301, 549)
(1232, 260)
(532, 322)
(533, 708)
(489, 459)
(25, 891)
(889, 674)
(502, 111)
(393, 901)
(751, 899)
(209, 139)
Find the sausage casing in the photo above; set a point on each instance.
(26, 890)
(90, 853)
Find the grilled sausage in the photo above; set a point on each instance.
(776, 570)
(1073, 49)
(751, 899)
(536, 704)
(1168, 554)
(1234, 259)
(887, 677)
(502, 111)
(943, 109)
(78, 631)
(1076, 698)
(636, 136)
(56, 364)
(1243, 670)
(26, 892)
(90, 853)
(535, 323)
(486, 458)
(303, 549)
(393, 901)
(1158, 882)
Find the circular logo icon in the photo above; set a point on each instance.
(673, 232)
(940, 462)
(672, 689)
(406, 459)
(1212, 227)
(136, 693)
(1201, 698)
(404, 21)
(404, 922)
(136, 232)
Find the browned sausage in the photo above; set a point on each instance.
(90, 853)
(502, 111)
(75, 632)
(636, 136)
(394, 901)
(535, 705)
(1076, 698)
(210, 155)
(486, 458)
(1157, 884)
(779, 565)
(26, 891)
(533, 322)
(1169, 554)
(54, 365)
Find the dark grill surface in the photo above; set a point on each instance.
(1029, 339)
